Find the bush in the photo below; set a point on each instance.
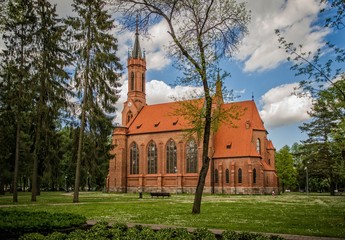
(19, 222)
(231, 235)
(101, 231)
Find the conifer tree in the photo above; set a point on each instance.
(16, 87)
(96, 66)
(50, 80)
(324, 153)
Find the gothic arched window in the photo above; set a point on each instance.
(171, 157)
(129, 116)
(216, 176)
(192, 156)
(151, 158)
(254, 175)
(134, 159)
(239, 175)
(258, 145)
(143, 82)
(227, 176)
(132, 81)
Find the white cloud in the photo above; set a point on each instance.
(158, 92)
(260, 49)
(281, 107)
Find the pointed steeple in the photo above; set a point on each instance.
(136, 52)
(219, 92)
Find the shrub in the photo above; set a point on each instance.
(173, 233)
(19, 222)
(118, 231)
(231, 235)
(203, 233)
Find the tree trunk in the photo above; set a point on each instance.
(34, 181)
(16, 163)
(80, 148)
(34, 176)
(205, 158)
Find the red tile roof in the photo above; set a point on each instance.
(161, 118)
(158, 118)
(240, 136)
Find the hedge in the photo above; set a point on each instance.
(118, 231)
(19, 222)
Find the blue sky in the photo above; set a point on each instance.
(259, 67)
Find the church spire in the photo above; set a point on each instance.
(219, 93)
(136, 52)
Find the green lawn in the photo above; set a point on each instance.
(318, 215)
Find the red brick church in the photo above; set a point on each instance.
(153, 154)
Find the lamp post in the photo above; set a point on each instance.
(175, 169)
(307, 186)
(66, 183)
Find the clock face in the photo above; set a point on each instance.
(129, 104)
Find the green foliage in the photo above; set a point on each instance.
(231, 235)
(203, 233)
(101, 231)
(13, 221)
(173, 233)
(285, 168)
(96, 77)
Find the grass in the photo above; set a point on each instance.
(314, 215)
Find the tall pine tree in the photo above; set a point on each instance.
(96, 77)
(50, 79)
(16, 87)
(323, 153)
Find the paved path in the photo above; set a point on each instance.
(219, 232)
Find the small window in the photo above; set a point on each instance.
(129, 116)
(132, 81)
(228, 146)
(239, 175)
(258, 145)
(227, 176)
(269, 161)
(254, 175)
(216, 176)
(143, 82)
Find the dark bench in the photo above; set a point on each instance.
(160, 194)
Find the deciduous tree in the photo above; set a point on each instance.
(285, 168)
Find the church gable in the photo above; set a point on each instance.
(240, 140)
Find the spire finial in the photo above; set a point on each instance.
(137, 25)
(252, 96)
(136, 53)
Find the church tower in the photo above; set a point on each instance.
(136, 96)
